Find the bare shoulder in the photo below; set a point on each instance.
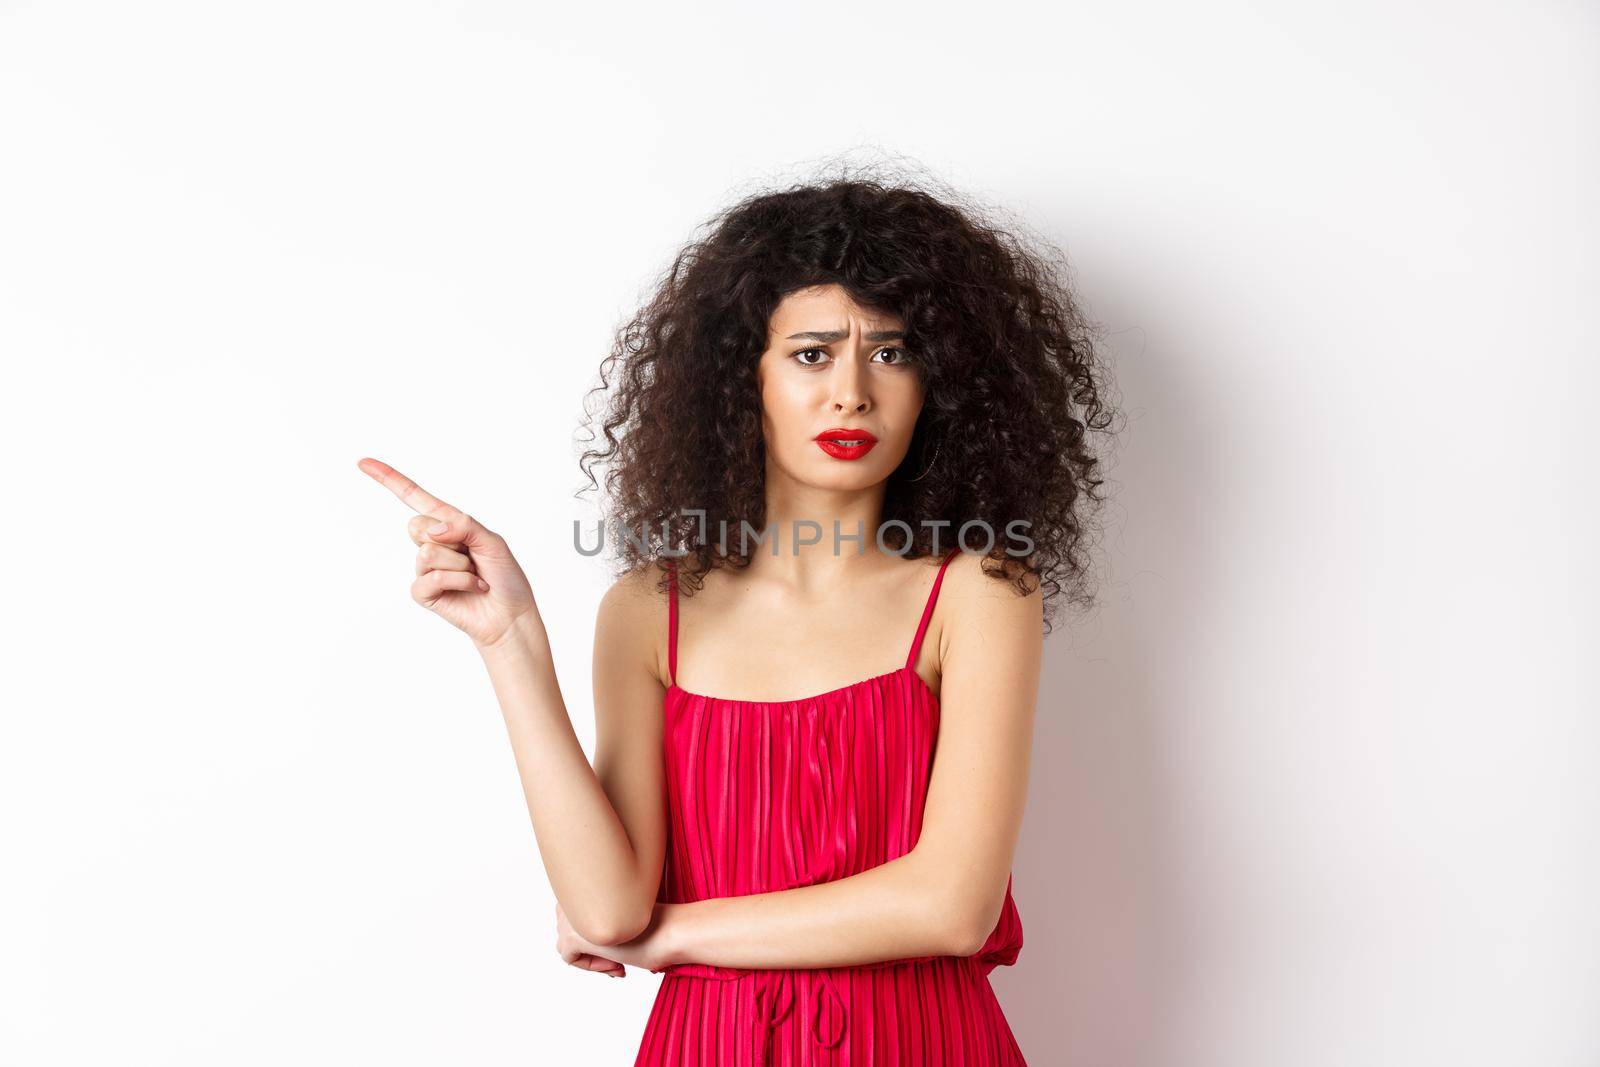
(979, 602)
(631, 621)
(637, 589)
(972, 578)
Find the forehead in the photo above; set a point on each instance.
(827, 307)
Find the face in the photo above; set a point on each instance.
(834, 369)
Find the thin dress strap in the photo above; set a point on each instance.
(672, 625)
(927, 612)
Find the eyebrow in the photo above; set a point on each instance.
(829, 336)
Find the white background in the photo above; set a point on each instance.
(1315, 784)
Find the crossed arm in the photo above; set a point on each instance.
(943, 897)
(601, 829)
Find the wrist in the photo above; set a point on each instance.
(672, 935)
(524, 634)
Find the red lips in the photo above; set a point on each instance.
(834, 443)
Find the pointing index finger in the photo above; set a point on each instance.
(415, 497)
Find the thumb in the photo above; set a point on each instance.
(463, 530)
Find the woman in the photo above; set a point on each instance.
(859, 372)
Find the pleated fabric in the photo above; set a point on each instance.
(771, 795)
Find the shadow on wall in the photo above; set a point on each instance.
(1099, 982)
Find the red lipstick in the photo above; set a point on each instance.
(845, 444)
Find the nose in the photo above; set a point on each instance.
(848, 381)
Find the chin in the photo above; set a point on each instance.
(838, 475)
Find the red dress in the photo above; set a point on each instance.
(771, 795)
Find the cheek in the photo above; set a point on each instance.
(904, 408)
(784, 403)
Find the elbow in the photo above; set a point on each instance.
(963, 904)
(967, 938)
(970, 919)
(614, 927)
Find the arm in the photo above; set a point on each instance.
(601, 831)
(945, 895)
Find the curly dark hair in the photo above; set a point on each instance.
(1013, 381)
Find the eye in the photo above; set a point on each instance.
(800, 356)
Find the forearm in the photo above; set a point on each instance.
(584, 846)
(897, 910)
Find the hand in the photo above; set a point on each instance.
(650, 950)
(465, 572)
(580, 953)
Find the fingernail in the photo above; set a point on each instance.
(483, 585)
(439, 527)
